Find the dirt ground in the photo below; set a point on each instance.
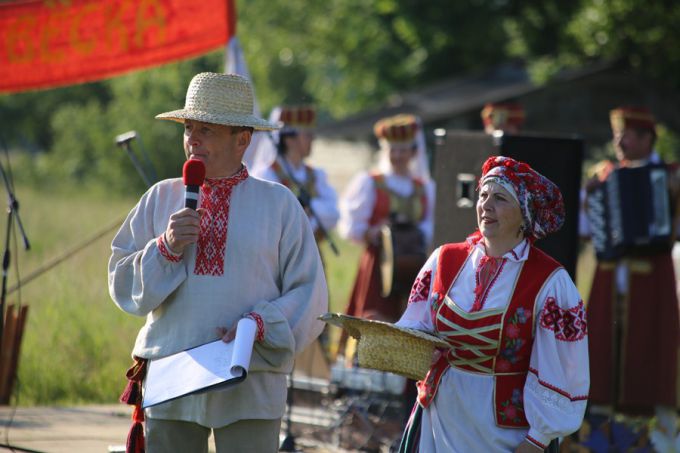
(330, 425)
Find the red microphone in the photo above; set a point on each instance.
(193, 174)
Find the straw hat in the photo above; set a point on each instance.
(219, 99)
(386, 347)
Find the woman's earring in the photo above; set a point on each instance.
(522, 230)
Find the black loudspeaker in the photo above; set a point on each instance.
(458, 160)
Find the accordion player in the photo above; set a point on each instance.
(630, 213)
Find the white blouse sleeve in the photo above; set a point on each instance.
(418, 314)
(325, 204)
(557, 384)
(356, 208)
(140, 276)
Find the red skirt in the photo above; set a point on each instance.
(366, 300)
(647, 371)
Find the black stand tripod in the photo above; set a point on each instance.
(288, 443)
(305, 198)
(12, 214)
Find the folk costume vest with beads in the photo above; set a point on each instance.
(285, 179)
(495, 341)
(411, 208)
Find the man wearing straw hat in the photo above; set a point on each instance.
(248, 251)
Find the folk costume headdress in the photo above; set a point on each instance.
(502, 115)
(631, 118)
(290, 120)
(402, 130)
(540, 200)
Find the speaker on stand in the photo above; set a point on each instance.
(458, 160)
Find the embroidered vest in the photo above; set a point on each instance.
(409, 209)
(285, 179)
(497, 341)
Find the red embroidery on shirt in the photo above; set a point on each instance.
(487, 273)
(535, 442)
(557, 389)
(167, 254)
(568, 325)
(421, 288)
(212, 239)
(259, 336)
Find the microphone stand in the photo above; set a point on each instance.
(12, 214)
(305, 196)
(288, 443)
(123, 140)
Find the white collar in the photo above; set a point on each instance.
(519, 253)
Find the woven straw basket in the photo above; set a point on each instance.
(386, 347)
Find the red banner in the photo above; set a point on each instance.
(48, 43)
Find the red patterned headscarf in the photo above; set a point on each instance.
(540, 200)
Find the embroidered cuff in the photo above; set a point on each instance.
(259, 335)
(164, 248)
(538, 439)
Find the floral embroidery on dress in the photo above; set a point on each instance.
(568, 325)
(510, 353)
(421, 288)
(513, 409)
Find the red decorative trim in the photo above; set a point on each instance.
(487, 267)
(212, 239)
(259, 336)
(165, 251)
(535, 442)
(420, 292)
(568, 325)
(556, 389)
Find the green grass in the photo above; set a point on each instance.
(77, 343)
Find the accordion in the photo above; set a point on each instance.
(630, 213)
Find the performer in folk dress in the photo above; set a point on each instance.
(399, 191)
(507, 117)
(633, 306)
(247, 252)
(287, 165)
(516, 375)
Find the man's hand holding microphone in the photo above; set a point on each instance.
(185, 224)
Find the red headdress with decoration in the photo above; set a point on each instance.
(539, 198)
(296, 117)
(503, 114)
(631, 118)
(397, 129)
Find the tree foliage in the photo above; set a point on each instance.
(343, 55)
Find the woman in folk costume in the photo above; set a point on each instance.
(400, 191)
(284, 162)
(516, 376)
